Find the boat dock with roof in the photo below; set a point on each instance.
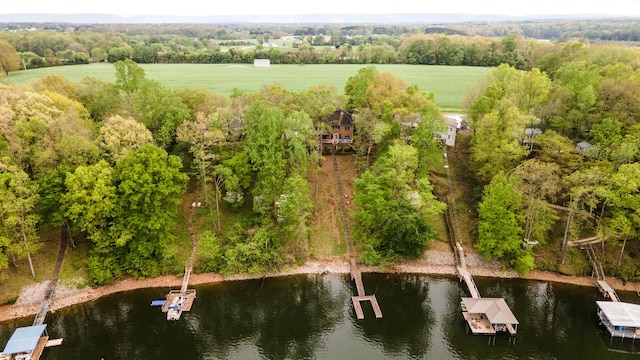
(483, 316)
(621, 319)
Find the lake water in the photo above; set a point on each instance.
(311, 317)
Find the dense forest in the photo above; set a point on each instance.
(113, 161)
(520, 45)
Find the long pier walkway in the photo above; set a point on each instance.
(464, 274)
(181, 300)
(483, 316)
(51, 287)
(356, 274)
(598, 272)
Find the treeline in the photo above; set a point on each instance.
(457, 44)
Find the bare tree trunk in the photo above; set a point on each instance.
(567, 229)
(26, 246)
(622, 251)
(204, 182)
(317, 169)
(69, 234)
(218, 206)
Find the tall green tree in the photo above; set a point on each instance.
(149, 185)
(17, 212)
(160, 110)
(539, 184)
(129, 75)
(127, 212)
(395, 207)
(500, 226)
(495, 147)
(356, 87)
(625, 201)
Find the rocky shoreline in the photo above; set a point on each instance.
(433, 263)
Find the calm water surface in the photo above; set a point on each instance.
(311, 317)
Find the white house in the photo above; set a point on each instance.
(448, 137)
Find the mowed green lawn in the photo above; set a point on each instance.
(449, 83)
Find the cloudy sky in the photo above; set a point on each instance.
(299, 7)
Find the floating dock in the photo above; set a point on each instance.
(356, 276)
(178, 301)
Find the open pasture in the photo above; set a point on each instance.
(449, 83)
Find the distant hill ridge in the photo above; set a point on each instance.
(287, 19)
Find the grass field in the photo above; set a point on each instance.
(449, 83)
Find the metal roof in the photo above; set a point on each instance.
(24, 339)
(621, 313)
(496, 309)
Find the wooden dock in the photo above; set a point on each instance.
(465, 276)
(356, 274)
(598, 272)
(177, 301)
(608, 291)
(181, 300)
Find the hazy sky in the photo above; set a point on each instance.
(291, 7)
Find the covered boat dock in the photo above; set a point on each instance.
(621, 319)
(488, 316)
(26, 343)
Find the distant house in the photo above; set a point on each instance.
(586, 149)
(529, 136)
(338, 129)
(448, 137)
(261, 63)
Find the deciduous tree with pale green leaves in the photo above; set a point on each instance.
(17, 218)
(500, 226)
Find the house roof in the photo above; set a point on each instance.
(496, 309)
(24, 339)
(451, 121)
(532, 131)
(339, 117)
(621, 313)
(583, 145)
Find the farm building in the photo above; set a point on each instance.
(261, 63)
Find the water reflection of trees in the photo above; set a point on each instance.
(279, 318)
(407, 315)
(283, 317)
